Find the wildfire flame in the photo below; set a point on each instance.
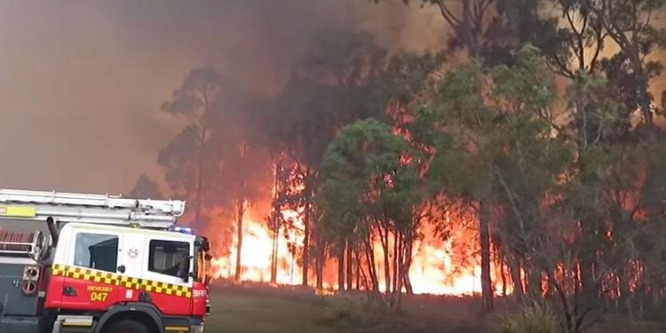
(256, 255)
(434, 269)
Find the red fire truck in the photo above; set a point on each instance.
(99, 263)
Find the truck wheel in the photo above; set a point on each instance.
(127, 326)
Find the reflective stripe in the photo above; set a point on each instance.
(17, 211)
(81, 273)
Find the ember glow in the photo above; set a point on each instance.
(434, 270)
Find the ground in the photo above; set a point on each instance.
(264, 309)
(256, 309)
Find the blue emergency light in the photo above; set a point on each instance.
(182, 230)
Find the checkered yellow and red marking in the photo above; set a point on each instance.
(114, 279)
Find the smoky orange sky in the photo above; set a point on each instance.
(81, 82)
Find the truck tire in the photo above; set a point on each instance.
(127, 326)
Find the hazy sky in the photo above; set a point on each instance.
(81, 82)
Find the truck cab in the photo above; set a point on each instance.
(96, 273)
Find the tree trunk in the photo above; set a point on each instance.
(199, 179)
(642, 86)
(513, 264)
(306, 239)
(625, 293)
(320, 259)
(240, 211)
(535, 284)
(401, 270)
(341, 267)
(586, 276)
(357, 272)
(408, 266)
(484, 235)
(275, 218)
(503, 277)
(384, 235)
(274, 255)
(372, 270)
(350, 273)
(396, 260)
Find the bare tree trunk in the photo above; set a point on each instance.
(401, 269)
(514, 270)
(274, 255)
(625, 293)
(503, 276)
(396, 260)
(275, 223)
(350, 275)
(321, 253)
(586, 276)
(408, 266)
(484, 233)
(361, 272)
(199, 184)
(341, 267)
(240, 211)
(534, 279)
(371, 264)
(357, 274)
(306, 240)
(384, 235)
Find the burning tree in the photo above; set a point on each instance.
(323, 95)
(493, 149)
(371, 188)
(214, 161)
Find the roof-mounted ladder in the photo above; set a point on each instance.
(89, 208)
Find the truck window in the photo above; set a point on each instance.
(96, 251)
(168, 257)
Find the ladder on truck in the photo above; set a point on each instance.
(105, 209)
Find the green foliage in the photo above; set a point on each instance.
(368, 176)
(479, 140)
(521, 86)
(534, 318)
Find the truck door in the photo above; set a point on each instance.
(167, 275)
(132, 260)
(91, 280)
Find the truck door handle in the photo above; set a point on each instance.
(121, 268)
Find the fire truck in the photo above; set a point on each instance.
(99, 263)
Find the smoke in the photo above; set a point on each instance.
(82, 82)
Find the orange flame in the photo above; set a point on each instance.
(434, 269)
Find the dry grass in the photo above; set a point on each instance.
(263, 309)
(535, 318)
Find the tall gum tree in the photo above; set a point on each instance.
(186, 159)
